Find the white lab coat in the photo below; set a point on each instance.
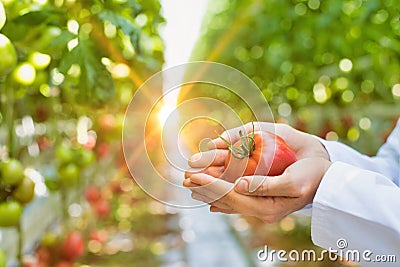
(359, 200)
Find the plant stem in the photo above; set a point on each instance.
(2, 93)
(64, 209)
(20, 242)
(7, 96)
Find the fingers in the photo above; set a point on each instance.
(212, 157)
(218, 186)
(187, 183)
(215, 171)
(272, 186)
(226, 211)
(205, 184)
(207, 200)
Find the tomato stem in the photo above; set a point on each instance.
(8, 113)
(247, 146)
(20, 242)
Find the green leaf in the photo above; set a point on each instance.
(48, 16)
(96, 84)
(62, 39)
(122, 23)
(134, 5)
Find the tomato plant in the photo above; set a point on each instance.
(10, 213)
(57, 66)
(258, 153)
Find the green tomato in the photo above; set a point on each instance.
(52, 183)
(69, 174)
(12, 172)
(8, 55)
(2, 21)
(65, 154)
(25, 191)
(10, 213)
(3, 258)
(85, 157)
(49, 239)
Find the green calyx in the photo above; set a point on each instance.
(246, 148)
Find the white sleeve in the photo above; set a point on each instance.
(361, 207)
(386, 161)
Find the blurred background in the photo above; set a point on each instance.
(68, 69)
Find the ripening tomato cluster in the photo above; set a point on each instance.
(59, 252)
(100, 205)
(16, 190)
(71, 161)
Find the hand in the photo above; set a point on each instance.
(304, 145)
(275, 198)
(212, 162)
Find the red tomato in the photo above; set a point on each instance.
(64, 264)
(259, 153)
(103, 150)
(73, 246)
(32, 264)
(100, 236)
(107, 123)
(43, 255)
(115, 186)
(102, 208)
(92, 194)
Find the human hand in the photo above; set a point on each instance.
(268, 198)
(304, 145)
(212, 162)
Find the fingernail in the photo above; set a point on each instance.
(195, 157)
(242, 186)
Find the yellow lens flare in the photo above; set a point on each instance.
(2, 16)
(25, 74)
(39, 61)
(164, 113)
